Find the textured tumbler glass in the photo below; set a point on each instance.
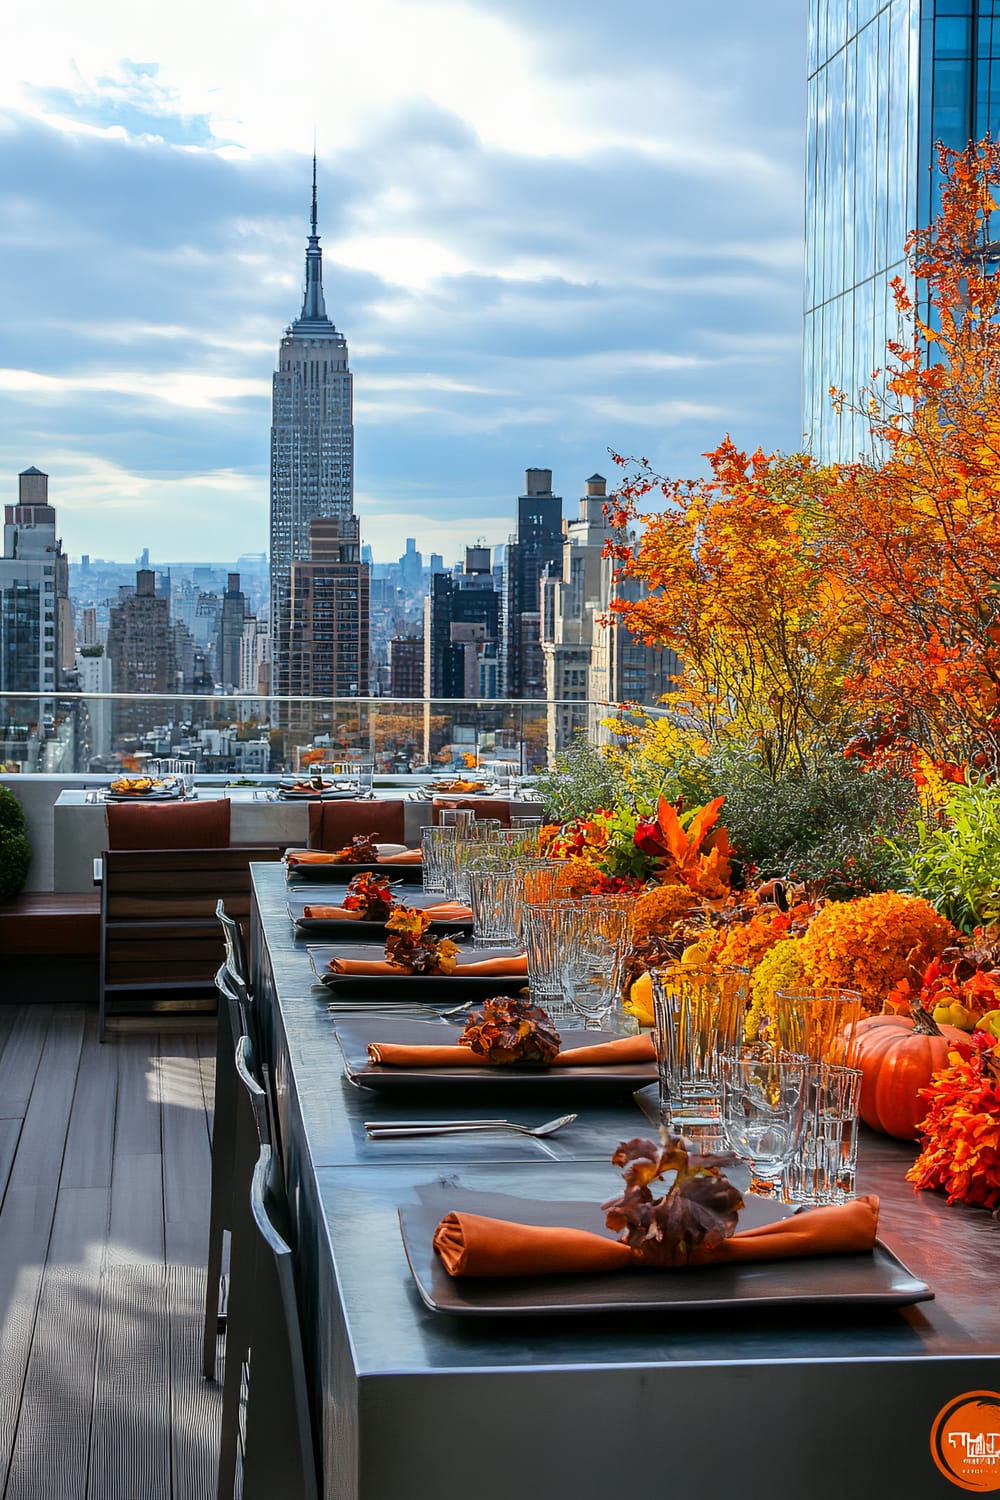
(490, 893)
(436, 848)
(823, 1168)
(548, 931)
(698, 1015)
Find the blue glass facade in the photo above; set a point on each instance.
(887, 79)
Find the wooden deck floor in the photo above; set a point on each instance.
(104, 1194)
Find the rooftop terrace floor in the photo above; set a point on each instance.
(104, 1177)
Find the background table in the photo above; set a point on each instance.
(412, 1405)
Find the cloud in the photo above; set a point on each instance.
(547, 231)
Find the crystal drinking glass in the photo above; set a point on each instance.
(589, 977)
(437, 851)
(490, 892)
(762, 1101)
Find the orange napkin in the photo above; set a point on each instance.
(501, 967)
(309, 857)
(448, 911)
(408, 857)
(626, 1049)
(471, 1245)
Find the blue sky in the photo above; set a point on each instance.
(548, 230)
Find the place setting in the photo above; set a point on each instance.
(144, 789)
(362, 908)
(362, 855)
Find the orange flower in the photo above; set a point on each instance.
(961, 1146)
(870, 944)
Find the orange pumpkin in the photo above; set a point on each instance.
(897, 1056)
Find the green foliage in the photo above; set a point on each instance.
(579, 781)
(15, 851)
(830, 825)
(955, 862)
(12, 819)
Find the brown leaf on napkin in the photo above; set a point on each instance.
(697, 1212)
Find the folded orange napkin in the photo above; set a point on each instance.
(626, 1049)
(408, 857)
(310, 857)
(448, 911)
(471, 1245)
(514, 966)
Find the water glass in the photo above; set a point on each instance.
(819, 1025)
(824, 1166)
(461, 818)
(525, 820)
(589, 978)
(490, 893)
(698, 1015)
(762, 1101)
(548, 931)
(436, 845)
(366, 779)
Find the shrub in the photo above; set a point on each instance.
(829, 824)
(955, 864)
(15, 850)
(580, 780)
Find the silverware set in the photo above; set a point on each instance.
(385, 1130)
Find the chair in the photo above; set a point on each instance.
(232, 1024)
(334, 824)
(237, 963)
(169, 825)
(263, 1320)
(160, 940)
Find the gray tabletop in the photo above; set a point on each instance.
(407, 1400)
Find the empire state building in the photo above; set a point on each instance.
(312, 503)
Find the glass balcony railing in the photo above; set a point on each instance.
(249, 737)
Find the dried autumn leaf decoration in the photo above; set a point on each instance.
(360, 851)
(697, 1212)
(510, 1031)
(370, 896)
(411, 947)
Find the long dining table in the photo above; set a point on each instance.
(789, 1401)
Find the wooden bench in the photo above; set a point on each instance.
(161, 942)
(46, 925)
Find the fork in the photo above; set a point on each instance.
(384, 1130)
(401, 1008)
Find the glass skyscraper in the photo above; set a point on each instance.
(887, 80)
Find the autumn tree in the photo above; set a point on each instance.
(914, 533)
(802, 598)
(737, 585)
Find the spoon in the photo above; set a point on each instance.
(381, 1130)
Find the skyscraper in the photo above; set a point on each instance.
(141, 651)
(461, 631)
(328, 613)
(36, 629)
(312, 445)
(887, 80)
(535, 547)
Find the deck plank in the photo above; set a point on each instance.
(197, 1403)
(39, 1157)
(25, 1224)
(53, 1433)
(130, 1436)
(205, 1044)
(137, 1123)
(20, 1058)
(90, 1142)
(79, 1228)
(187, 1164)
(135, 1235)
(10, 1134)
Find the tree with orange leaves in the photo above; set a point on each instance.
(739, 587)
(801, 598)
(915, 536)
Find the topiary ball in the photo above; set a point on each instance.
(15, 859)
(12, 817)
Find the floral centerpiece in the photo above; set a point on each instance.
(370, 897)
(411, 946)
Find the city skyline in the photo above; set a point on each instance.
(619, 266)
